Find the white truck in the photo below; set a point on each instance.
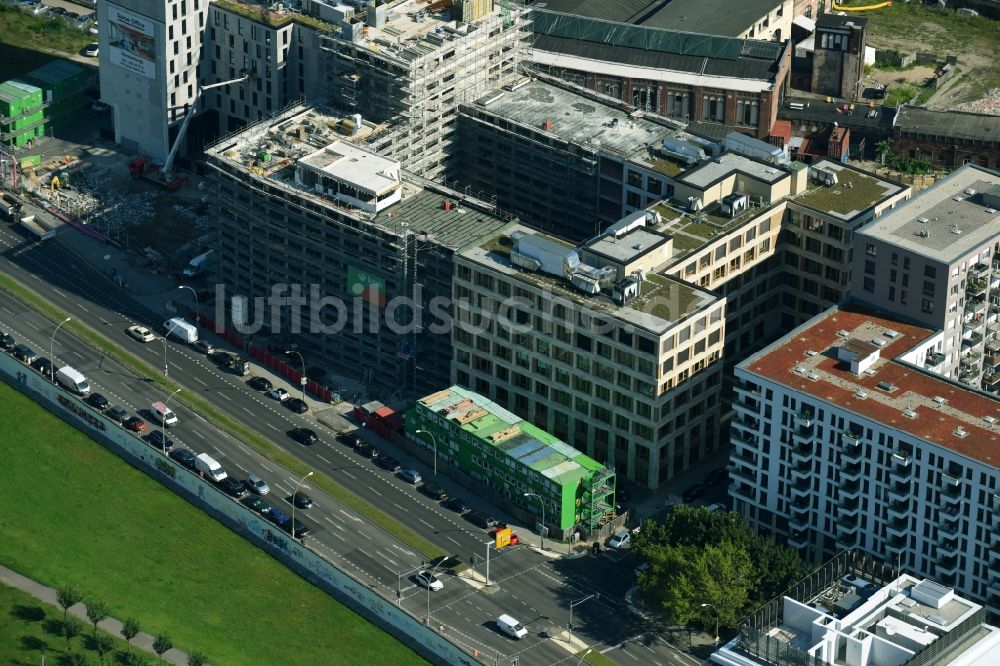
(209, 467)
(199, 264)
(73, 380)
(38, 227)
(181, 329)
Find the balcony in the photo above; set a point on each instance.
(948, 565)
(899, 508)
(748, 402)
(950, 527)
(972, 340)
(976, 306)
(978, 270)
(851, 447)
(976, 286)
(899, 526)
(743, 491)
(798, 538)
(850, 489)
(949, 547)
(951, 486)
(847, 519)
(851, 470)
(991, 381)
(743, 455)
(897, 542)
(803, 418)
(847, 538)
(802, 453)
(803, 434)
(934, 359)
(901, 464)
(747, 422)
(801, 470)
(742, 472)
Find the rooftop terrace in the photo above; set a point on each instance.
(662, 301)
(854, 193)
(895, 394)
(943, 222)
(691, 231)
(571, 117)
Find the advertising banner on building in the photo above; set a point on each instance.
(369, 286)
(132, 41)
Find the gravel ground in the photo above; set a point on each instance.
(990, 104)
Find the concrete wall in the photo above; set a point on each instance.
(299, 557)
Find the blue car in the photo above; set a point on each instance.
(279, 518)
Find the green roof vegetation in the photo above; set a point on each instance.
(273, 19)
(853, 193)
(665, 166)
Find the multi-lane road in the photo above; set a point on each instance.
(535, 588)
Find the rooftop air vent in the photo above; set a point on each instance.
(799, 370)
(955, 230)
(891, 334)
(886, 386)
(844, 334)
(959, 432)
(991, 210)
(922, 220)
(957, 198)
(970, 191)
(813, 376)
(861, 393)
(939, 400)
(879, 342)
(909, 413)
(990, 419)
(810, 353)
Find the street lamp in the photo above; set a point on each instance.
(434, 441)
(584, 656)
(430, 573)
(716, 620)
(302, 379)
(165, 369)
(197, 318)
(541, 528)
(52, 356)
(163, 421)
(295, 493)
(595, 595)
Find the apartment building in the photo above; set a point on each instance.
(857, 612)
(304, 206)
(717, 83)
(593, 345)
(410, 64)
(150, 54)
(931, 260)
(841, 440)
(513, 457)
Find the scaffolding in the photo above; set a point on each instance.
(597, 501)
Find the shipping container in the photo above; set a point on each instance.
(59, 79)
(18, 98)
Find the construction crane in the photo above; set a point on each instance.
(142, 167)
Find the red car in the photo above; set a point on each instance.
(513, 536)
(135, 424)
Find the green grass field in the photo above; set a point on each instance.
(74, 513)
(27, 41)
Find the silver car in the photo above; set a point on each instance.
(257, 485)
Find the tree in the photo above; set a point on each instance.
(197, 658)
(135, 659)
(76, 659)
(97, 611)
(68, 596)
(161, 644)
(104, 644)
(883, 149)
(71, 628)
(130, 629)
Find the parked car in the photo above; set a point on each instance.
(716, 507)
(257, 485)
(160, 441)
(278, 517)
(620, 539)
(480, 519)
(367, 450)
(693, 492)
(456, 504)
(301, 529)
(255, 503)
(24, 353)
(135, 424)
(98, 402)
(233, 487)
(429, 580)
(297, 405)
(302, 501)
(350, 439)
(260, 384)
(141, 333)
(303, 436)
(7, 342)
(118, 413)
(278, 394)
(410, 476)
(435, 492)
(43, 366)
(205, 347)
(388, 463)
(184, 457)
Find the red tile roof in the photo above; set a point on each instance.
(914, 389)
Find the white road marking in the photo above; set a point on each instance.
(243, 449)
(8, 311)
(247, 410)
(403, 550)
(83, 308)
(401, 508)
(323, 459)
(450, 539)
(197, 434)
(364, 534)
(386, 557)
(354, 518)
(374, 491)
(78, 354)
(349, 474)
(425, 523)
(198, 380)
(223, 395)
(59, 292)
(272, 427)
(266, 467)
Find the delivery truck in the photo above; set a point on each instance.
(181, 329)
(73, 380)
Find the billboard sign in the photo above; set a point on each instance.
(132, 41)
(503, 537)
(369, 286)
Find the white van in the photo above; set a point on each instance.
(181, 329)
(511, 627)
(199, 264)
(162, 414)
(73, 379)
(208, 466)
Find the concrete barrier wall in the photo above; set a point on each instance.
(311, 565)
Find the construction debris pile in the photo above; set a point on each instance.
(990, 104)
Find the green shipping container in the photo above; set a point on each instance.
(18, 98)
(22, 139)
(59, 79)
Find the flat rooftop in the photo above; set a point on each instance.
(726, 165)
(663, 300)
(854, 193)
(952, 124)
(303, 131)
(636, 242)
(572, 117)
(691, 231)
(805, 361)
(942, 222)
(710, 17)
(516, 438)
(350, 164)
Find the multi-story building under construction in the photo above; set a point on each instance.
(411, 63)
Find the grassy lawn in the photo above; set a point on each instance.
(74, 513)
(23, 36)
(28, 627)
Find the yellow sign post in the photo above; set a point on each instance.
(503, 537)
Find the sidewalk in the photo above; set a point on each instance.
(143, 641)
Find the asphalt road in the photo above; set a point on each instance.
(535, 588)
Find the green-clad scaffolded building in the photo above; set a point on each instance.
(513, 457)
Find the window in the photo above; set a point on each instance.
(870, 267)
(927, 306)
(871, 250)
(930, 271)
(869, 284)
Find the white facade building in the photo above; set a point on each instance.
(840, 440)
